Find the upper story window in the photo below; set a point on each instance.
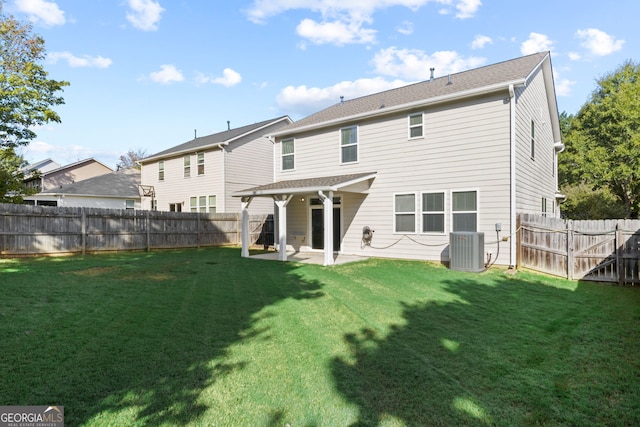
(416, 129)
(349, 144)
(187, 166)
(433, 212)
(129, 204)
(200, 163)
(288, 154)
(464, 211)
(533, 139)
(404, 208)
(161, 170)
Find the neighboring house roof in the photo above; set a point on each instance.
(467, 83)
(42, 166)
(310, 185)
(209, 141)
(123, 184)
(73, 165)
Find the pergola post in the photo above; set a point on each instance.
(281, 203)
(327, 202)
(244, 210)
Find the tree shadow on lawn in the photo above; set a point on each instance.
(506, 352)
(151, 353)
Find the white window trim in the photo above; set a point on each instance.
(161, 170)
(409, 126)
(198, 164)
(444, 213)
(282, 155)
(415, 213)
(477, 211)
(185, 166)
(357, 144)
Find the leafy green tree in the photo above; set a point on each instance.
(12, 187)
(583, 202)
(603, 139)
(26, 94)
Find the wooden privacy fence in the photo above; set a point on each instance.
(604, 251)
(31, 230)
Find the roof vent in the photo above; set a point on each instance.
(449, 82)
(432, 70)
(342, 100)
(228, 125)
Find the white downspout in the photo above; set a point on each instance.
(512, 220)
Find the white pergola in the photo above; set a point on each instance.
(282, 193)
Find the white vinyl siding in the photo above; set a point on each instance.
(288, 154)
(416, 126)
(349, 144)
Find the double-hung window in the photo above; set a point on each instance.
(203, 204)
(200, 163)
(349, 144)
(288, 154)
(187, 165)
(464, 211)
(433, 212)
(161, 170)
(404, 208)
(416, 129)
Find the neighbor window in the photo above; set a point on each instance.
(187, 166)
(405, 213)
(415, 126)
(533, 139)
(349, 144)
(464, 211)
(544, 206)
(175, 207)
(288, 155)
(161, 170)
(203, 204)
(129, 204)
(200, 163)
(433, 212)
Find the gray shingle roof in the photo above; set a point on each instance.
(216, 138)
(298, 186)
(122, 183)
(491, 75)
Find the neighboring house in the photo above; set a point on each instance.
(115, 190)
(202, 174)
(402, 169)
(50, 177)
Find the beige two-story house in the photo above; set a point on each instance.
(401, 170)
(201, 175)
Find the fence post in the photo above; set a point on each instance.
(518, 241)
(148, 228)
(83, 230)
(570, 251)
(619, 243)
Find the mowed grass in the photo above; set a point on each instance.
(207, 338)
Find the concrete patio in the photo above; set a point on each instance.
(310, 257)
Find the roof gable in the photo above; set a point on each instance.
(123, 183)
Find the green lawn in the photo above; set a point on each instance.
(205, 337)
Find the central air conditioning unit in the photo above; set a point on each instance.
(466, 251)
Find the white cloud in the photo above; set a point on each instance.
(65, 154)
(574, 56)
(42, 11)
(481, 41)
(536, 43)
(467, 8)
(168, 74)
(303, 100)
(406, 28)
(563, 87)
(229, 78)
(75, 61)
(598, 42)
(144, 14)
(337, 32)
(343, 20)
(414, 64)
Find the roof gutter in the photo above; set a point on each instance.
(423, 102)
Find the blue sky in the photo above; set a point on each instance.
(147, 74)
